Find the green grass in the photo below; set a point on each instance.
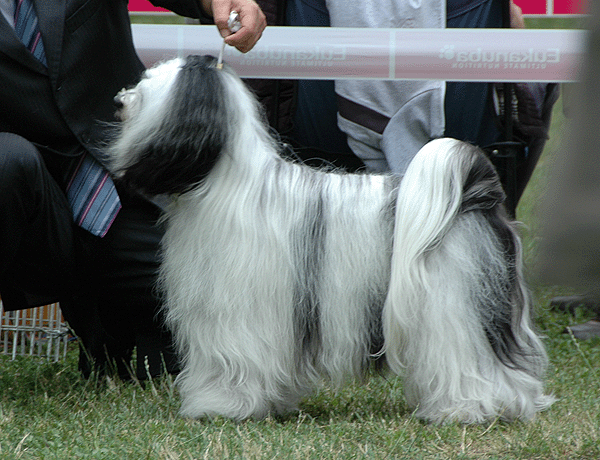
(47, 411)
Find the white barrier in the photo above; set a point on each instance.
(382, 54)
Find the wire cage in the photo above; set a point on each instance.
(40, 331)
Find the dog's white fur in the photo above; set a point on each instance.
(277, 277)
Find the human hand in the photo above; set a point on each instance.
(517, 20)
(251, 17)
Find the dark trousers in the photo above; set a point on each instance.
(106, 285)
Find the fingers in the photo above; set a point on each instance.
(517, 20)
(252, 19)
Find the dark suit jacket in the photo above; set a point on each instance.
(90, 56)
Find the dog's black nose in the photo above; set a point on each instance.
(118, 101)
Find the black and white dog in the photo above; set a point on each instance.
(277, 277)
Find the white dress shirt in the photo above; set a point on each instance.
(8, 11)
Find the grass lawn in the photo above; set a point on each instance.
(47, 411)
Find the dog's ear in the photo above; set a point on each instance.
(187, 139)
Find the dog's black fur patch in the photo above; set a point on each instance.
(190, 137)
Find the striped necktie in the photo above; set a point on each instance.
(26, 27)
(90, 191)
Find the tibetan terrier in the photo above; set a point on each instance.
(278, 277)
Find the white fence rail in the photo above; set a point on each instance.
(405, 54)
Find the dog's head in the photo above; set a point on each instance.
(175, 124)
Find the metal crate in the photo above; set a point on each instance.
(39, 331)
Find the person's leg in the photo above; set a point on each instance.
(470, 113)
(38, 255)
(128, 258)
(36, 233)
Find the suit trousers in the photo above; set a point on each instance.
(106, 285)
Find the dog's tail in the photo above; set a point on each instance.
(457, 316)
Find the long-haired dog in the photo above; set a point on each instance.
(277, 276)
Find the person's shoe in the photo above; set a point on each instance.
(569, 303)
(586, 330)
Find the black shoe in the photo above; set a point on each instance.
(569, 303)
(585, 331)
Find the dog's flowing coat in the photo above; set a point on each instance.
(277, 277)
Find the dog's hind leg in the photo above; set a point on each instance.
(457, 318)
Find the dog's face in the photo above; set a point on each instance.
(154, 87)
(174, 125)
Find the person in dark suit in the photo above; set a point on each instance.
(93, 248)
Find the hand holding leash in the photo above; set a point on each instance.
(233, 24)
(250, 16)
